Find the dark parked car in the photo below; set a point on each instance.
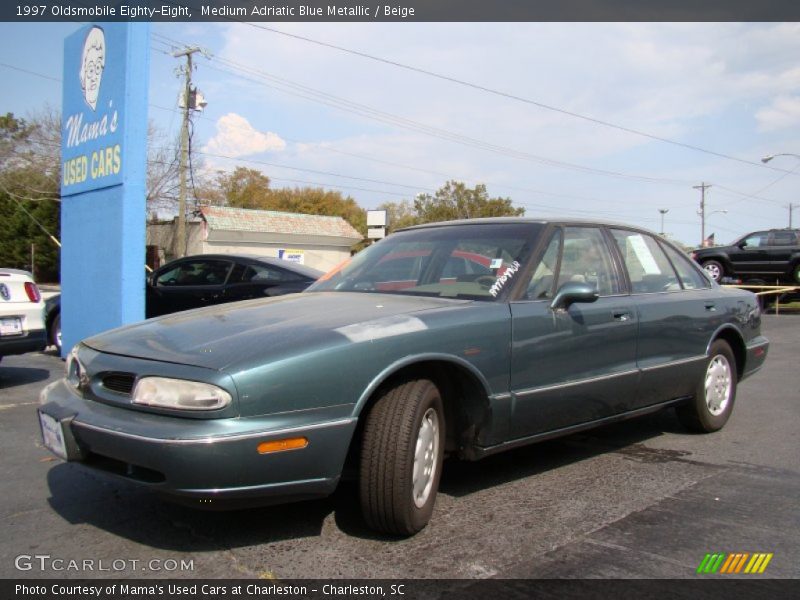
(205, 279)
(759, 257)
(388, 364)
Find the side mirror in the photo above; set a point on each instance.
(571, 292)
(742, 245)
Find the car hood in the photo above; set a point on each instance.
(221, 336)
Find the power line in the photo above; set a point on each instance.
(21, 70)
(500, 93)
(312, 94)
(258, 73)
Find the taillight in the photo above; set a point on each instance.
(32, 291)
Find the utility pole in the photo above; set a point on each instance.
(180, 244)
(702, 212)
(792, 206)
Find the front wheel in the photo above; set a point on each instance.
(714, 269)
(401, 458)
(714, 396)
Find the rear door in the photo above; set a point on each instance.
(782, 245)
(578, 365)
(677, 314)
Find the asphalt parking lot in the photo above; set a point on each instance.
(640, 499)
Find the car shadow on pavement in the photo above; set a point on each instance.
(16, 376)
(461, 478)
(140, 515)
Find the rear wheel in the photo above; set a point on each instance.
(55, 333)
(401, 458)
(714, 269)
(715, 394)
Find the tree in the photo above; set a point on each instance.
(162, 172)
(29, 193)
(452, 201)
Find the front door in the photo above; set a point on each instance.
(750, 255)
(575, 365)
(185, 284)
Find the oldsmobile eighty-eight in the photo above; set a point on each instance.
(461, 338)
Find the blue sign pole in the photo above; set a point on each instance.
(103, 175)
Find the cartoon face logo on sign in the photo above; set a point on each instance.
(93, 61)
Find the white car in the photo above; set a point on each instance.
(22, 327)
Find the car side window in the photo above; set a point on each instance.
(262, 274)
(691, 277)
(649, 270)
(783, 238)
(197, 272)
(756, 240)
(585, 257)
(543, 277)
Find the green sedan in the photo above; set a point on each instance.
(461, 338)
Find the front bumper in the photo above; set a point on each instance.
(204, 460)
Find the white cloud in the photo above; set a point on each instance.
(782, 113)
(236, 137)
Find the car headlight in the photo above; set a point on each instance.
(179, 394)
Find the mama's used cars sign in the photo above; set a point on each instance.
(103, 175)
(94, 108)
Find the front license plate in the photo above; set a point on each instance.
(53, 435)
(10, 326)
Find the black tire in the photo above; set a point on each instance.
(710, 409)
(715, 269)
(55, 333)
(389, 501)
(796, 273)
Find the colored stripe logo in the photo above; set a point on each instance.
(736, 562)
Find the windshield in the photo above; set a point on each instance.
(474, 261)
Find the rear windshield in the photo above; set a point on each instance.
(474, 261)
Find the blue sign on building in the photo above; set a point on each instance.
(103, 173)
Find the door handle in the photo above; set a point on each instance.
(621, 315)
(711, 307)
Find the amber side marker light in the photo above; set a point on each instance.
(282, 445)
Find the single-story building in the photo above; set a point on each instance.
(314, 240)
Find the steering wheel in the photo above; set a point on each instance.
(486, 281)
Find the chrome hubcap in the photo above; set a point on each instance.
(426, 454)
(713, 271)
(718, 385)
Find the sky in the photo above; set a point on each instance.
(612, 121)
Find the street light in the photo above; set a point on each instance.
(765, 160)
